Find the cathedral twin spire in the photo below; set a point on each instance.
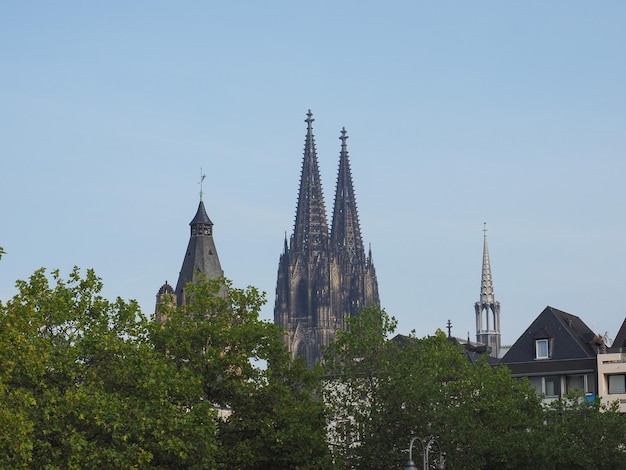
(310, 229)
(322, 278)
(346, 233)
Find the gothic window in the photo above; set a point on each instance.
(302, 299)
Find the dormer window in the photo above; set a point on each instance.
(541, 349)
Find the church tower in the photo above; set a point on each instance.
(200, 259)
(487, 308)
(353, 278)
(322, 278)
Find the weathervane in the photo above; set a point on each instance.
(202, 176)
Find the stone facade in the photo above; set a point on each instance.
(323, 277)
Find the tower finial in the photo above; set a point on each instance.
(485, 229)
(309, 119)
(343, 139)
(202, 176)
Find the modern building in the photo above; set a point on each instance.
(612, 370)
(324, 277)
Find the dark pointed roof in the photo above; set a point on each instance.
(201, 216)
(570, 338)
(620, 339)
(201, 255)
(346, 231)
(310, 227)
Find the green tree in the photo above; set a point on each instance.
(85, 382)
(81, 385)
(271, 417)
(383, 391)
(579, 434)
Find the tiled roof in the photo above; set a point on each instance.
(570, 338)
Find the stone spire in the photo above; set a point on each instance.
(302, 305)
(345, 234)
(487, 309)
(486, 282)
(355, 286)
(310, 228)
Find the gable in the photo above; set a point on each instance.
(620, 339)
(567, 335)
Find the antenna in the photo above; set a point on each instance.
(202, 176)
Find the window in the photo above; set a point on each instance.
(537, 383)
(617, 384)
(575, 382)
(550, 386)
(541, 349)
(553, 386)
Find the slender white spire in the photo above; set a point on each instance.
(486, 282)
(487, 308)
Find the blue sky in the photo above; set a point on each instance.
(458, 113)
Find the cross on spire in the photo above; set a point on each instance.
(309, 118)
(343, 137)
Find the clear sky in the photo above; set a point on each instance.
(458, 113)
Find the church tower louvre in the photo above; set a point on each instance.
(322, 278)
(487, 308)
(200, 259)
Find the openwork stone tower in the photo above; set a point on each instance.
(487, 308)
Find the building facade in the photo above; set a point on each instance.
(557, 353)
(324, 276)
(612, 370)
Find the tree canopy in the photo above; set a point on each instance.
(86, 382)
(382, 391)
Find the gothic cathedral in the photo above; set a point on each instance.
(323, 277)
